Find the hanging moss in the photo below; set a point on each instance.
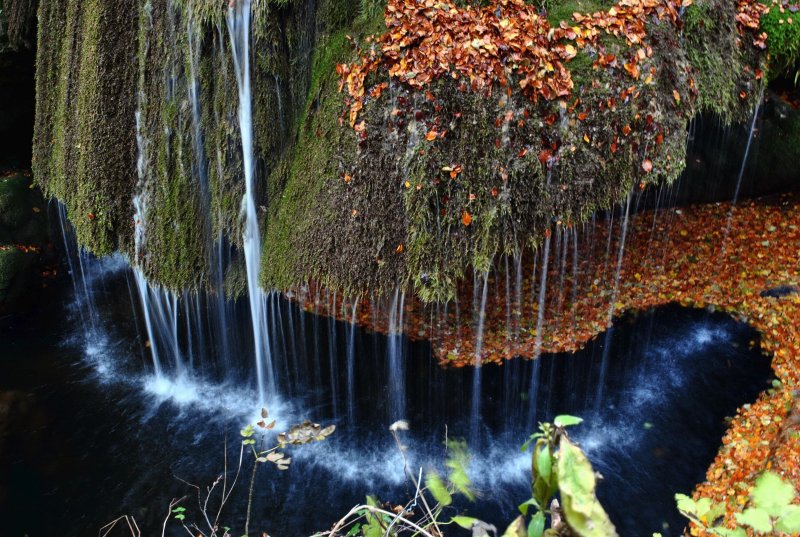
(84, 146)
(385, 207)
(17, 22)
(357, 211)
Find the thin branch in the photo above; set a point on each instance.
(130, 521)
(172, 504)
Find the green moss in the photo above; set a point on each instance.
(711, 44)
(83, 152)
(562, 10)
(311, 166)
(783, 40)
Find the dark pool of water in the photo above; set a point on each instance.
(86, 434)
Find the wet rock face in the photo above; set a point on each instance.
(716, 155)
(23, 236)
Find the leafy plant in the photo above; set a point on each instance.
(557, 466)
(771, 510)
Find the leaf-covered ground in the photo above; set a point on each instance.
(716, 256)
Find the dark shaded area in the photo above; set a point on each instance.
(716, 154)
(17, 101)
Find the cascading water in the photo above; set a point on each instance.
(239, 30)
(536, 369)
(351, 365)
(475, 408)
(613, 305)
(396, 352)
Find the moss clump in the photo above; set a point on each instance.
(723, 64)
(562, 10)
(783, 31)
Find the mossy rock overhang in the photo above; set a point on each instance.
(358, 211)
(440, 179)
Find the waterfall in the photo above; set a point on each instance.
(612, 307)
(75, 263)
(396, 350)
(537, 365)
(239, 29)
(351, 364)
(475, 409)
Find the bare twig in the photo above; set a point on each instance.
(376, 510)
(172, 504)
(129, 520)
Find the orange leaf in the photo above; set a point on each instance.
(431, 136)
(466, 218)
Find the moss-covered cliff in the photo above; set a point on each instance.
(137, 115)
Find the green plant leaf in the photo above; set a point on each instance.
(536, 525)
(523, 507)
(686, 505)
(373, 527)
(583, 513)
(516, 528)
(438, 489)
(772, 494)
(789, 522)
(726, 532)
(457, 462)
(543, 463)
(354, 530)
(756, 518)
(465, 522)
(565, 420)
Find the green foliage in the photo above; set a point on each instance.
(583, 511)
(180, 513)
(783, 41)
(771, 510)
(557, 465)
(438, 489)
(369, 10)
(457, 463)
